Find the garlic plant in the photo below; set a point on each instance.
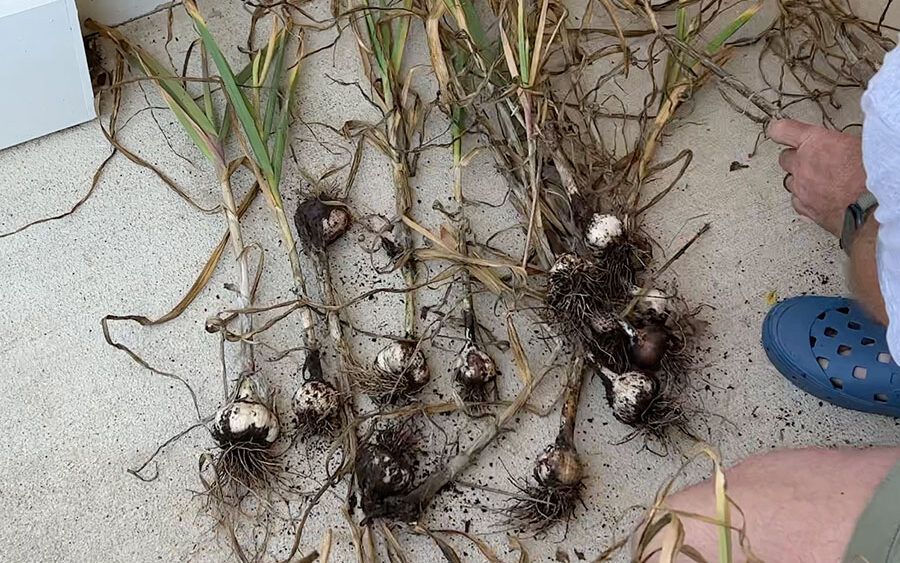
(246, 427)
(400, 368)
(558, 470)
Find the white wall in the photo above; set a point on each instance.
(115, 11)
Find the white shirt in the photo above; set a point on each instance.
(881, 158)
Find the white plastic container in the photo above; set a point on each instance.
(46, 86)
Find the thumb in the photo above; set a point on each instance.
(790, 132)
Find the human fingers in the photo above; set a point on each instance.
(790, 132)
(800, 207)
(788, 160)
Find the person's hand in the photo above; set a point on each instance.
(825, 170)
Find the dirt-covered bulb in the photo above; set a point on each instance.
(602, 230)
(335, 224)
(648, 347)
(565, 263)
(385, 473)
(320, 223)
(653, 303)
(245, 420)
(385, 466)
(630, 394)
(558, 465)
(403, 358)
(316, 400)
(476, 367)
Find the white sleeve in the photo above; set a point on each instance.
(881, 158)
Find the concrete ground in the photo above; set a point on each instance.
(79, 413)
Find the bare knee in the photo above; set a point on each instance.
(784, 495)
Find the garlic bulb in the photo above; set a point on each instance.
(316, 400)
(558, 465)
(335, 224)
(245, 420)
(630, 394)
(653, 303)
(476, 367)
(386, 473)
(648, 347)
(403, 358)
(564, 263)
(385, 466)
(319, 223)
(603, 230)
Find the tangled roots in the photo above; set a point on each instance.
(238, 469)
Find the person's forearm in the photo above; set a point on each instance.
(864, 272)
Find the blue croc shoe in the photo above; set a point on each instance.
(830, 348)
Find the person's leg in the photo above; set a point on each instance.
(800, 505)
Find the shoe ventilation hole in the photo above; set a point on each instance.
(812, 341)
(821, 315)
(823, 362)
(884, 358)
(866, 341)
(860, 372)
(830, 332)
(844, 310)
(836, 383)
(853, 325)
(844, 350)
(881, 397)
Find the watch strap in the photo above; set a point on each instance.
(866, 202)
(855, 216)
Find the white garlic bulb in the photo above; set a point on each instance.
(316, 399)
(246, 419)
(603, 230)
(630, 395)
(402, 358)
(558, 465)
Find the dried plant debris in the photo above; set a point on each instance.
(660, 532)
(101, 77)
(821, 47)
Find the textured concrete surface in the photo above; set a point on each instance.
(78, 413)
